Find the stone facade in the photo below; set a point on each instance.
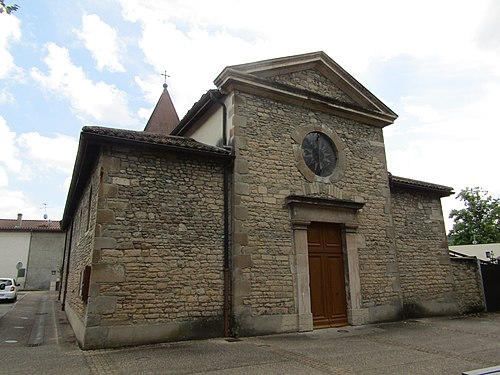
(422, 249)
(150, 226)
(186, 239)
(266, 140)
(468, 284)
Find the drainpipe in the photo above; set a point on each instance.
(68, 245)
(214, 96)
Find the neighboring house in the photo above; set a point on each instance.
(268, 208)
(31, 252)
(481, 251)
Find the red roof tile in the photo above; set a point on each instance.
(30, 225)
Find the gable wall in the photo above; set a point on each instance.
(44, 258)
(266, 173)
(314, 81)
(426, 273)
(158, 250)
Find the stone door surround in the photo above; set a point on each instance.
(303, 211)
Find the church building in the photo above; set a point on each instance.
(268, 208)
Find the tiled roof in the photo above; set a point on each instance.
(152, 139)
(30, 225)
(408, 183)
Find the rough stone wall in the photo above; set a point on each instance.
(426, 273)
(81, 232)
(314, 81)
(266, 173)
(468, 284)
(158, 254)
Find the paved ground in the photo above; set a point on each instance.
(35, 338)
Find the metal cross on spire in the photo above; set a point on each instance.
(165, 75)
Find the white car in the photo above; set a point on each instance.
(8, 289)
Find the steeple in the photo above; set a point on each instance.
(164, 117)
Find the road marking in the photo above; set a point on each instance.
(10, 341)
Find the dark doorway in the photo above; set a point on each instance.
(491, 284)
(326, 275)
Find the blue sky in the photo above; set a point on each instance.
(67, 64)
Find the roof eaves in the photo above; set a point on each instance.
(236, 79)
(92, 138)
(197, 110)
(407, 183)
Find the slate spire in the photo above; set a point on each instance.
(164, 117)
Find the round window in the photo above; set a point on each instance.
(319, 153)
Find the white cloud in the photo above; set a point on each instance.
(195, 40)
(424, 113)
(9, 153)
(6, 97)
(458, 149)
(102, 41)
(32, 162)
(49, 153)
(9, 32)
(14, 202)
(4, 179)
(101, 102)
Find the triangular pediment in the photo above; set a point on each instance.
(313, 79)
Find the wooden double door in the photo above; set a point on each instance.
(326, 275)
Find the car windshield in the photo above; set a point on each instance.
(6, 282)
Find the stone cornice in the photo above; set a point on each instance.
(293, 200)
(231, 79)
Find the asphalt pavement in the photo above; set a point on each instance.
(35, 338)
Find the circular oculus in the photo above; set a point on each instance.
(319, 154)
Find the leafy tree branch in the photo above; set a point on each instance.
(478, 222)
(8, 8)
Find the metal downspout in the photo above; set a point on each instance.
(63, 304)
(227, 270)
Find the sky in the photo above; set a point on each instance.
(65, 64)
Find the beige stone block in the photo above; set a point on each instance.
(101, 305)
(241, 166)
(107, 273)
(240, 142)
(390, 231)
(241, 212)
(242, 288)
(241, 238)
(392, 267)
(242, 188)
(242, 261)
(110, 190)
(104, 243)
(105, 216)
(121, 181)
(270, 200)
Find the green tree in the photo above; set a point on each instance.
(479, 221)
(7, 8)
